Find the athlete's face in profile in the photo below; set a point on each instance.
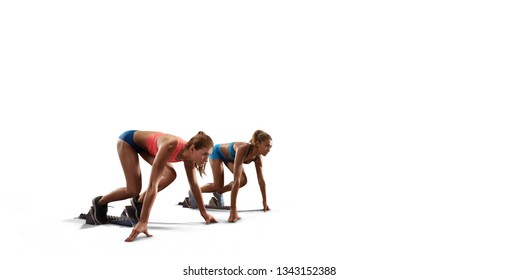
(201, 156)
(264, 147)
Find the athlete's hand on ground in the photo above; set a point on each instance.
(233, 217)
(265, 207)
(139, 227)
(209, 219)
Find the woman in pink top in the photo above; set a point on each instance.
(160, 150)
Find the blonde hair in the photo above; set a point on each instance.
(200, 141)
(259, 136)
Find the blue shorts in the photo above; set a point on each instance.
(218, 155)
(127, 137)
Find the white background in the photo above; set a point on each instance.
(394, 125)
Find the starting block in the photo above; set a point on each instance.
(127, 218)
(211, 205)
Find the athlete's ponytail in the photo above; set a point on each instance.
(259, 136)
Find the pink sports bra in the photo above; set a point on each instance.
(151, 144)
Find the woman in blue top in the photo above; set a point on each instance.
(234, 155)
